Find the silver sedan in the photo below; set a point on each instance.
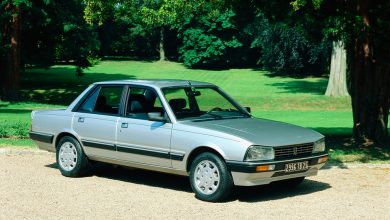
(180, 127)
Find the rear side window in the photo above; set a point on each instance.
(105, 99)
(89, 103)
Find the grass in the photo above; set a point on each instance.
(22, 143)
(292, 100)
(341, 150)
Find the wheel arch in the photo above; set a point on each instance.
(201, 149)
(63, 134)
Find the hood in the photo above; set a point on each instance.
(261, 131)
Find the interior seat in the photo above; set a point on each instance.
(137, 107)
(177, 105)
(101, 105)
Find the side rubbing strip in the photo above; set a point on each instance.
(130, 150)
(99, 145)
(143, 152)
(175, 156)
(47, 138)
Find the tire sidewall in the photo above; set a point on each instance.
(81, 163)
(226, 180)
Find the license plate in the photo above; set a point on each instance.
(291, 167)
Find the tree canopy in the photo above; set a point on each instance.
(285, 37)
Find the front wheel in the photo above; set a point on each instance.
(71, 159)
(210, 178)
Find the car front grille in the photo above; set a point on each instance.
(293, 151)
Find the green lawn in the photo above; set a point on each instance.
(293, 100)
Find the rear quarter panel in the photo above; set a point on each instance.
(51, 122)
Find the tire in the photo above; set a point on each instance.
(71, 159)
(210, 178)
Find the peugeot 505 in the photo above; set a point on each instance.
(180, 127)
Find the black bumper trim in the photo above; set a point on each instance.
(42, 137)
(250, 167)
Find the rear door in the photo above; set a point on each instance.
(140, 140)
(96, 120)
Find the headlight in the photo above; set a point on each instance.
(259, 153)
(319, 146)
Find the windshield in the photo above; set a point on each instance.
(201, 103)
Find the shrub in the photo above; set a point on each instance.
(14, 129)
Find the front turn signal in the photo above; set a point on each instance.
(323, 159)
(263, 168)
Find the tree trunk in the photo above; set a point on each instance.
(162, 49)
(337, 84)
(370, 81)
(3, 55)
(11, 59)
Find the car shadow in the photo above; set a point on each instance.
(52, 165)
(144, 177)
(273, 191)
(276, 191)
(137, 176)
(334, 164)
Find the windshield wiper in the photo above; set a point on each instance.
(214, 117)
(239, 112)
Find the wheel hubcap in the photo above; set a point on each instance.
(206, 177)
(67, 156)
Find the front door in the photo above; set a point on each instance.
(96, 120)
(140, 140)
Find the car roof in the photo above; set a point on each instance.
(159, 83)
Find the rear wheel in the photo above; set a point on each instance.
(71, 159)
(210, 179)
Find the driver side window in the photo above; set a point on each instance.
(142, 101)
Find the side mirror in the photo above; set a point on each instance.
(156, 116)
(248, 109)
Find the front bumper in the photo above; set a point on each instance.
(245, 174)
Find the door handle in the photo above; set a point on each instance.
(81, 120)
(124, 125)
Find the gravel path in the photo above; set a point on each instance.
(32, 188)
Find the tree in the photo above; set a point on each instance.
(56, 31)
(163, 14)
(335, 28)
(367, 39)
(158, 15)
(288, 47)
(10, 58)
(370, 70)
(337, 84)
(288, 42)
(210, 38)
